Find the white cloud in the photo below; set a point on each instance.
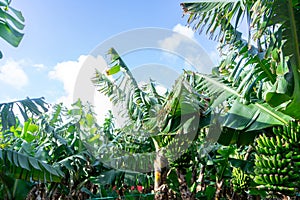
(13, 74)
(81, 86)
(66, 72)
(184, 30)
(185, 46)
(174, 41)
(39, 66)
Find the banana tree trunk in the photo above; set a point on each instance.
(160, 184)
(157, 173)
(161, 189)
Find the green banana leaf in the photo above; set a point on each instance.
(253, 117)
(28, 168)
(26, 107)
(11, 24)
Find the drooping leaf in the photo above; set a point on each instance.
(11, 24)
(16, 22)
(10, 34)
(272, 65)
(254, 117)
(26, 107)
(28, 168)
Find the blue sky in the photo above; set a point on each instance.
(60, 34)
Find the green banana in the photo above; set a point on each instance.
(263, 141)
(272, 151)
(258, 170)
(289, 155)
(260, 143)
(266, 150)
(262, 170)
(268, 141)
(262, 150)
(295, 132)
(296, 137)
(296, 157)
(272, 161)
(280, 188)
(285, 178)
(287, 129)
(297, 164)
(266, 162)
(273, 142)
(283, 171)
(294, 125)
(286, 144)
(279, 142)
(277, 179)
(284, 162)
(258, 164)
(266, 179)
(277, 162)
(276, 130)
(291, 129)
(292, 174)
(240, 179)
(259, 180)
(272, 179)
(278, 156)
(280, 131)
(291, 141)
(284, 132)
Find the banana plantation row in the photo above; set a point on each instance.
(232, 134)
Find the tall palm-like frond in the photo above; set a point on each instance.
(215, 17)
(125, 92)
(255, 116)
(243, 65)
(27, 107)
(265, 66)
(146, 108)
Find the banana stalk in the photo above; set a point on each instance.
(160, 175)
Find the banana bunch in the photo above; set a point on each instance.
(277, 162)
(289, 133)
(240, 180)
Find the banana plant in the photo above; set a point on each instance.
(257, 82)
(19, 167)
(136, 101)
(259, 76)
(168, 123)
(68, 140)
(11, 24)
